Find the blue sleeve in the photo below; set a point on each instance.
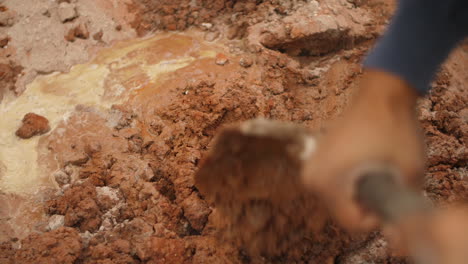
(419, 38)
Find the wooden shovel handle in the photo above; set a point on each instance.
(379, 190)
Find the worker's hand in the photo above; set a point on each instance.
(449, 234)
(380, 126)
(440, 236)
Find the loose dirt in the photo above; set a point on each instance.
(114, 178)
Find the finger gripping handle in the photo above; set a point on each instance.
(379, 190)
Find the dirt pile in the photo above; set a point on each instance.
(127, 192)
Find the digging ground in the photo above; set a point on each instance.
(124, 179)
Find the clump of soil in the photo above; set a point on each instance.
(33, 125)
(80, 31)
(9, 73)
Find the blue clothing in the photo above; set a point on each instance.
(419, 38)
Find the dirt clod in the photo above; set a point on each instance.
(33, 125)
(67, 12)
(221, 59)
(7, 19)
(245, 62)
(196, 211)
(98, 35)
(211, 35)
(8, 76)
(80, 31)
(55, 222)
(4, 41)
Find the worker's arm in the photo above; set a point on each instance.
(419, 39)
(381, 124)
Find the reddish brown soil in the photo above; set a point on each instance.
(444, 116)
(32, 125)
(180, 14)
(8, 75)
(128, 193)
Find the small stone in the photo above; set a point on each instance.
(254, 48)
(169, 22)
(56, 221)
(238, 7)
(211, 35)
(76, 158)
(4, 41)
(118, 27)
(6, 19)
(122, 246)
(86, 238)
(147, 174)
(236, 31)
(129, 132)
(196, 211)
(327, 22)
(464, 115)
(232, 32)
(221, 59)
(61, 177)
(107, 198)
(206, 25)
(69, 169)
(45, 11)
(92, 148)
(98, 36)
(148, 191)
(106, 225)
(81, 31)
(249, 7)
(276, 88)
(33, 125)
(70, 36)
(245, 62)
(67, 12)
(108, 192)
